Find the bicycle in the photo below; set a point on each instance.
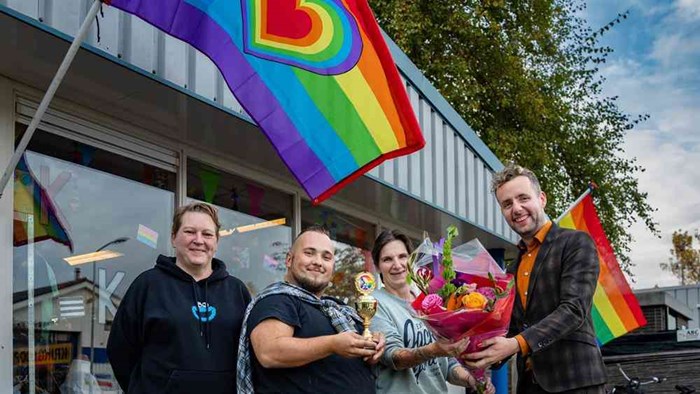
(634, 384)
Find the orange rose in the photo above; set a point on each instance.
(474, 301)
(453, 303)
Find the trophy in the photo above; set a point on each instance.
(366, 305)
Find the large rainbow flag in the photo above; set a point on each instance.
(31, 198)
(316, 76)
(615, 308)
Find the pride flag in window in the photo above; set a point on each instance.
(31, 198)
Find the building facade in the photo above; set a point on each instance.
(142, 124)
(689, 295)
(658, 349)
(664, 311)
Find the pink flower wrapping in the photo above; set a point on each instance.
(471, 264)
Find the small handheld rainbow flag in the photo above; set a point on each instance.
(316, 76)
(30, 198)
(615, 309)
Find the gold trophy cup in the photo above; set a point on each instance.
(366, 305)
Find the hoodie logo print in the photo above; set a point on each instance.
(203, 312)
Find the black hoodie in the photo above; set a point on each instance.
(174, 335)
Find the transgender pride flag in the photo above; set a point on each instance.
(316, 76)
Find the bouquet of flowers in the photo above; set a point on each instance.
(464, 293)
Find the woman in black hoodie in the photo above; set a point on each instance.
(177, 328)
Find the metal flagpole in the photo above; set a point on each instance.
(31, 318)
(48, 96)
(588, 191)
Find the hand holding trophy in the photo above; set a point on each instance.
(366, 305)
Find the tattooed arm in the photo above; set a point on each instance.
(408, 358)
(461, 377)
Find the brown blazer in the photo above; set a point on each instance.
(557, 322)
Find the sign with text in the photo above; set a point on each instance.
(57, 353)
(688, 334)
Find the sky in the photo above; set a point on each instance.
(655, 70)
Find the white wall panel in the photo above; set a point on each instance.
(414, 160)
(490, 216)
(110, 29)
(205, 77)
(141, 48)
(450, 164)
(67, 21)
(175, 69)
(438, 149)
(461, 178)
(480, 196)
(386, 171)
(401, 172)
(471, 186)
(499, 218)
(427, 115)
(29, 8)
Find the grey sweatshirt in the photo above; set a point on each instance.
(402, 330)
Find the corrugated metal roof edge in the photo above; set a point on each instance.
(503, 237)
(100, 52)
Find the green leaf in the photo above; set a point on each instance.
(447, 290)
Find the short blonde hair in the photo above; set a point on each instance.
(196, 207)
(511, 171)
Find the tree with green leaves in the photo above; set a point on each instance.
(349, 261)
(684, 262)
(525, 76)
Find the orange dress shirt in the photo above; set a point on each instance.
(527, 263)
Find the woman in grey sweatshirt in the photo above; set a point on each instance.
(414, 361)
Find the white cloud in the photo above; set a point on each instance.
(675, 49)
(672, 180)
(677, 43)
(662, 78)
(688, 10)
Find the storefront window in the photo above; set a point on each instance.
(256, 223)
(353, 244)
(86, 223)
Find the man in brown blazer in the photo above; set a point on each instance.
(551, 329)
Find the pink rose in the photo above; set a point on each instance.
(488, 292)
(432, 303)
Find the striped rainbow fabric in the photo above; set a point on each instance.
(316, 76)
(615, 308)
(30, 198)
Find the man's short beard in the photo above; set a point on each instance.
(304, 283)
